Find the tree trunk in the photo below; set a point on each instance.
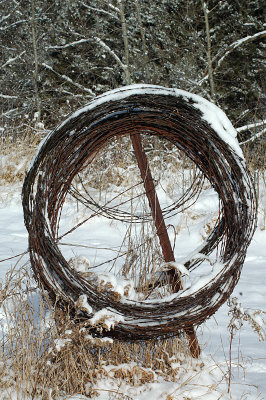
(36, 68)
(209, 59)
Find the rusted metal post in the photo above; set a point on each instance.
(175, 278)
(153, 199)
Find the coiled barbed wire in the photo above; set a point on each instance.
(147, 110)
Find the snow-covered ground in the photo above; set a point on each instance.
(248, 353)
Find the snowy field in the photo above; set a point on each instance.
(248, 356)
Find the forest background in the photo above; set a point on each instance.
(57, 55)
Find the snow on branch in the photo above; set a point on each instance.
(100, 10)
(75, 43)
(69, 80)
(5, 96)
(254, 137)
(7, 113)
(99, 42)
(116, 9)
(221, 56)
(110, 51)
(4, 28)
(224, 53)
(250, 126)
(200, 82)
(4, 18)
(11, 60)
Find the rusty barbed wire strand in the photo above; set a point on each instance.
(121, 215)
(71, 146)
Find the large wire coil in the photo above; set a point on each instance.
(147, 110)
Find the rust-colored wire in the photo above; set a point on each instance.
(63, 155)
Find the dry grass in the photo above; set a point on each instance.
(44, 355)
(16, 154)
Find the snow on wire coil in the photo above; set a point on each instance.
(196, 127)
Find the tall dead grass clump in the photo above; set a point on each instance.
(16, 153)
(44, 355)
